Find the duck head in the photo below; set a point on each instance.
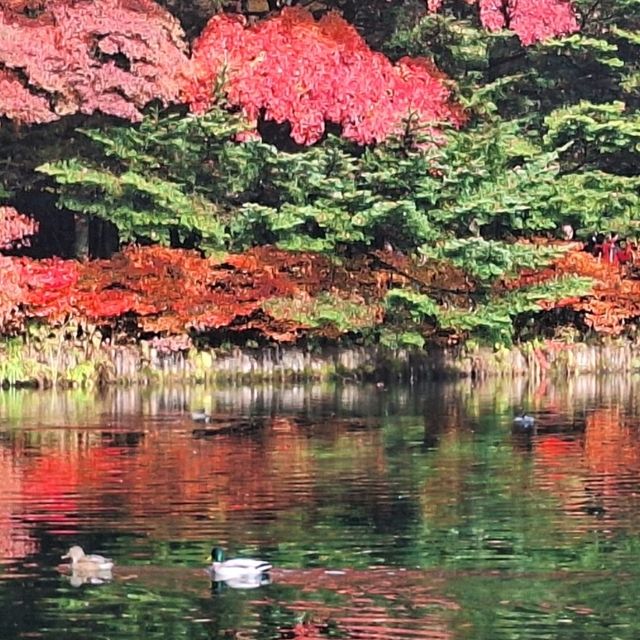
(217, 554)
(75, 553)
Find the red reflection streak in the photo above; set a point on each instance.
(558, 459)
(14, 535)
(591, 471)
(163, 481)
(611, 446)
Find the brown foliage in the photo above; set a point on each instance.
(277, 294)
(616, 293)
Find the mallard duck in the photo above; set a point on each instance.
(243, 582)
(524, 420)
(82, 562)
(244, 571)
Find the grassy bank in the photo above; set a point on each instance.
(56, 360)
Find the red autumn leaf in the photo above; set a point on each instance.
(47, 286)
(15, 228)
(108, 304)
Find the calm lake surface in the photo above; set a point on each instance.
(388, 514)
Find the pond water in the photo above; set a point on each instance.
(388, 513)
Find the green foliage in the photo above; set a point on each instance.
(488, 260)
(12, 364)
(223, 194)
(598, 200)
(455, 43)
(158, 180)
(489, 318)
(138, 206)
(324, 310)
(602, 125)
(599, 50)
(401, 339)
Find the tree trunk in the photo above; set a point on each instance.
(81, 242)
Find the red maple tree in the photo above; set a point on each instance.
(531, 20)
(113, 56)
(292, 68)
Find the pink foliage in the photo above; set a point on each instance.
(532, 20)
(15, 228)
(18, 103)
(112, 56)
(307, 73)
(40, 288)
(10, 292)
(493, 14)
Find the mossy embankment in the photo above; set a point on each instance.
(88, 362)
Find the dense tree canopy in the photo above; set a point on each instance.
(477, 127)
(306, 73)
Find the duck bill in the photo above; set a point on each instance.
(65, 556)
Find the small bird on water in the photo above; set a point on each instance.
(200, 416)
(524, 420)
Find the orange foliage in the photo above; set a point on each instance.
(175, 291)
(274, 293)
(615, 298)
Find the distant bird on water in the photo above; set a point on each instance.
(524, 420)
(200, 416)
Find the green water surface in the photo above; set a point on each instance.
(388, 513)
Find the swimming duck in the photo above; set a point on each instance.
(524, 420)
(243, 582)
(238, 570)
(200, 416)
(82, 562)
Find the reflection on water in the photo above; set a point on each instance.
(396, 513)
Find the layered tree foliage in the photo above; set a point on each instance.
(307, 73)
(575, 96)
(479, 127)
(60, 58)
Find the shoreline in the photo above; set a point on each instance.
(67, 363)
